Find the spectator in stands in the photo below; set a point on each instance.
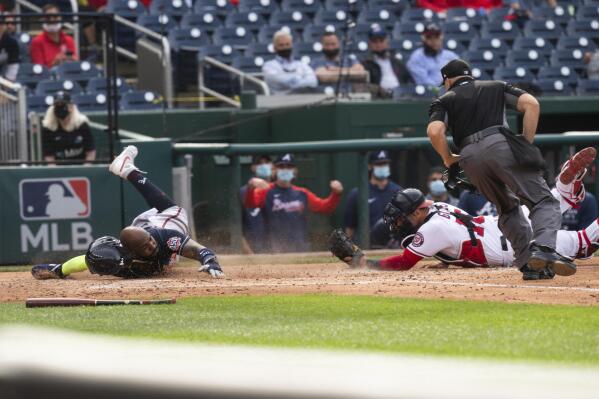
(591, 59)
(386, 71)
(9, 53)
(254, 230)
(578, 218)
(426, 62)
(285, 206)
(436, 188)
(328, 67)
(285, 75)
(380, 192)
(7, 5)
(476, 204)
(52, 47)
(441, 6)
(66, 135)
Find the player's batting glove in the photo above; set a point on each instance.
(343, 248)
(209, 263)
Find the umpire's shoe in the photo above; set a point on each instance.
(123, 163)
(46, 271)
(544, 257)
(529, 274)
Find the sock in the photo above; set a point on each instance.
(74, 265)
(154, 196)
(592, 231)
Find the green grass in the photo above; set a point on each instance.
(473, 329)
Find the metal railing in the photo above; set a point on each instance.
(202, 89)
(13, 121)
(361, 146)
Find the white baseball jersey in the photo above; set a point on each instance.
(174, 218)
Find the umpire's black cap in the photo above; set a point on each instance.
(285, 159)
(455, 68)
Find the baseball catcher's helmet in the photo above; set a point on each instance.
(402, 204)
(107, 256)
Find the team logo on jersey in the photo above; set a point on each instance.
(55, 198)
(418, 240)
(173, 243)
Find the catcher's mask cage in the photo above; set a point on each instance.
(106, 256)
(404, 203)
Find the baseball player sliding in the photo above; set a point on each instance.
(451, 235)
(146, 248)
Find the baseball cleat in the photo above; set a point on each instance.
(46, 271)
(577, 165)
(123, 163)
(529, 274)
(543, 257)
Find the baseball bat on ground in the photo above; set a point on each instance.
(46, 302)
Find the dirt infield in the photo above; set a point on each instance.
(259, 275)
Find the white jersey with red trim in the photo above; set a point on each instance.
(174, 218)
(445, 233)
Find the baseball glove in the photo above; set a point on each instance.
(343, 248)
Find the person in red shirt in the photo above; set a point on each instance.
(52, 47)
(285, 206)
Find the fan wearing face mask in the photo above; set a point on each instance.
(328, 66)
(285, 206)
(65, 132)
(380, 191)
(254, 229)
(436, 188)
(52, 47)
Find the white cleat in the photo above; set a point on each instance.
(123, 163)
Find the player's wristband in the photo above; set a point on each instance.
(206, 256)
(373, 264)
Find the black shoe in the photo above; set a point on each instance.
(529, 274)
(544, 257)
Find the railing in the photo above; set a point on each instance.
(202, 89)
(13, 121)
(337, 146)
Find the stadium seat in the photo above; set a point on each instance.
(30, 74)
(206, 22)
(161, 23)
(98, 85)
(497, 46)
(238, 36)
(540, 45)
(513, 74)
(49, 86)
(260, 49)
(563, 73)
(140, 100)
(250, 64)
(338, 18)
(559, 14)
(571, 43)
(504, 30)
(395, 6)
(419, 15)
(174, 8)
(469, 15)
(307, 52)
(408, 30)
(405, 45)
(461, 31)
(314, 32)
(382, 16)
(129, 9)
(413, 91)
(262, 7)
(554, 87)
(80, 71)
(294, 20)
(486, 60)
(454, 45)
(219, 7)
(569, 58)
(480, 74)
(546, 29)
(346, 5)
(266, 33)
(223, 53)
(308, 7)
(251, 21)
(187, 39)
(24, 40)
(588, 29)
(39, 104)
(531, 59)
(587, 12)
(91, 102)
(498, 14)
(360, 48)
(588, 87)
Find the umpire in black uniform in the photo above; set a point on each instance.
(505, 167)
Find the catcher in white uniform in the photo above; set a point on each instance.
(451, 235)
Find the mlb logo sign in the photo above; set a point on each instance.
(55, 198)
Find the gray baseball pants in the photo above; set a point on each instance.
(492, 168)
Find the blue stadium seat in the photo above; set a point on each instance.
(250, 64)
(360, 47)
(264, 50)
(504, 30)
(542, 46)
(30, 74)
(563, 73)
(219, 7)
(49, 86)
(408, 29)
(187, 39)
(345, 5)
(571, 43)
(262, 7)
(24, 40)
(546, 29)
(469, 15)
(39, 104)
(294, 20)
(140, 100)
(266, 33)
(314, 32)
(461, 31)
(480, 74)
(498, 14)
(588, 87)
(308, 7)
(251, 21)
(558, 14)
(206, 22)
(513, 74)
(238, 36)
(175, 8)
(98, 85)
(486, 60)
(554, 87)
(395, 6)
(224, 53)
(497, 46)
(327, 17)
(405, 45)
(454, 45)
(531, 59)
(413, 91)
(587, 12)
(588, 29)
(91, 102)
(161, 23)
(419, 15)
(569, 58)
(360, 31)
(80, 71)
(382, 16)
(129, 9)
(307, 52)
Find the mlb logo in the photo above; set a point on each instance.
(55, 198)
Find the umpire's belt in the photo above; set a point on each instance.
(478, 136)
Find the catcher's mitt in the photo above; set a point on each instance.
(343, 248)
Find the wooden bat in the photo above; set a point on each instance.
(46, 302)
